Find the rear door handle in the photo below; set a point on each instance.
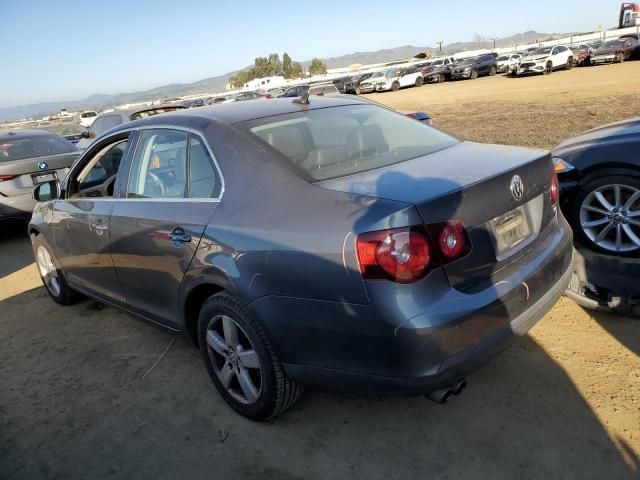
(178, 235)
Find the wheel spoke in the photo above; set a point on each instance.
(249, 359)
(603, 201)
(604, 232)
(230, 332)
(246, 384)
(216, 342)
(631, 234)
(632, 199)
(634, 222)
(616, 196)
(595, 223)
(226, 374)
(591, 208)
(618, 237)
(633, 214)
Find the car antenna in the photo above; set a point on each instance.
(302, 99)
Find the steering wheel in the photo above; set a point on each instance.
(156, 182)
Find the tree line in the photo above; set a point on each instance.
(272, 65)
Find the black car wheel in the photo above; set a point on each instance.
(419, 81)
(241, 360)
(474, 74)
(548, 68)
(440, 78)
(620, 57)
(569, 64)
(395, 86)
(50, 273)
(492, 71)
(606, 215)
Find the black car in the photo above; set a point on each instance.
(439, 70)
(599, 173)
(475, 67)
(353, 84)
(294, 91)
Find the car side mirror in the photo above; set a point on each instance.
(85, 134)
(46, 191)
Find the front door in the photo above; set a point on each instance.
(82, 220)
(173, 189)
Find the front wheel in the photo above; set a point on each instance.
(395, 86)
(620, 57)
(474, 75)
(52, 277)
(493, 71)
(241, 360)
(606, 215)
(419, 81)
(548, 68)
(358, 91)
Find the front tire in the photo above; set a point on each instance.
(50, 273)
(474, 74)
(419, 81)
(358, 91)
(492, 72)
(241, 361)
(606, 214)
(548, 68)
(395, 86)
(620, 57)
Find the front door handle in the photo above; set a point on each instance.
(178, 235)
(99, 228)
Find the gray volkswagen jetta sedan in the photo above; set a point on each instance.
(329, 243)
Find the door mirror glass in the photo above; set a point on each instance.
(46, 191)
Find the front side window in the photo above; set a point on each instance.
(98, 177)
(159, 167)
(334, 142)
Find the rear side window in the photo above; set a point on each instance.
(33, 147)
(203, 176)
(334, 142)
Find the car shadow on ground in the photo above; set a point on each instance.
(625, 330)
(81, 397)
(15, 256)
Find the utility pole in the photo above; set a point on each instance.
(440, 44)
(494, 43)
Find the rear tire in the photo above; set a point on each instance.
(395, 86)
(569, 64)
(51, 275)
(257, 388)
(419, 81)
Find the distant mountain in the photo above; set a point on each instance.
(217, 84)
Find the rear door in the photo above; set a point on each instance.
(173, 188)
(82, 219)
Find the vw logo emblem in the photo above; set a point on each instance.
(43, 166)
(517, 187)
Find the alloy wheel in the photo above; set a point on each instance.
(610, 217)
(48, 270)
(234, 359)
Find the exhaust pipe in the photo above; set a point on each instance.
(459, 387)
(439, 396)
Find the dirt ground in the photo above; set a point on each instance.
(562, 403)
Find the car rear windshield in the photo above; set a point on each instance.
(335, 142)
(34, 147)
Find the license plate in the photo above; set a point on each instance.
(510, 230)
(39, 178)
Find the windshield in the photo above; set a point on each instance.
(377, 74)
(612, 44)
(391, 73)
(34, 147)
(541, 51)
(334, 142)
(437, 62)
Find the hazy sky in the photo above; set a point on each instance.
(67, 50)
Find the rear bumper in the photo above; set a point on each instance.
(415, 338)
(16, 206)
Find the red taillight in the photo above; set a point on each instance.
(405, 255)
(554, 190)
(4, 178)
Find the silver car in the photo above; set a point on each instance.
(27, 158)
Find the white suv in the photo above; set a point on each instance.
(506, 63)
(396, 78)
(545, 60)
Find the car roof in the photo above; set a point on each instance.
(127, 112)
(24, 134)
(238, 112)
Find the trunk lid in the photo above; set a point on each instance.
(469, 182)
